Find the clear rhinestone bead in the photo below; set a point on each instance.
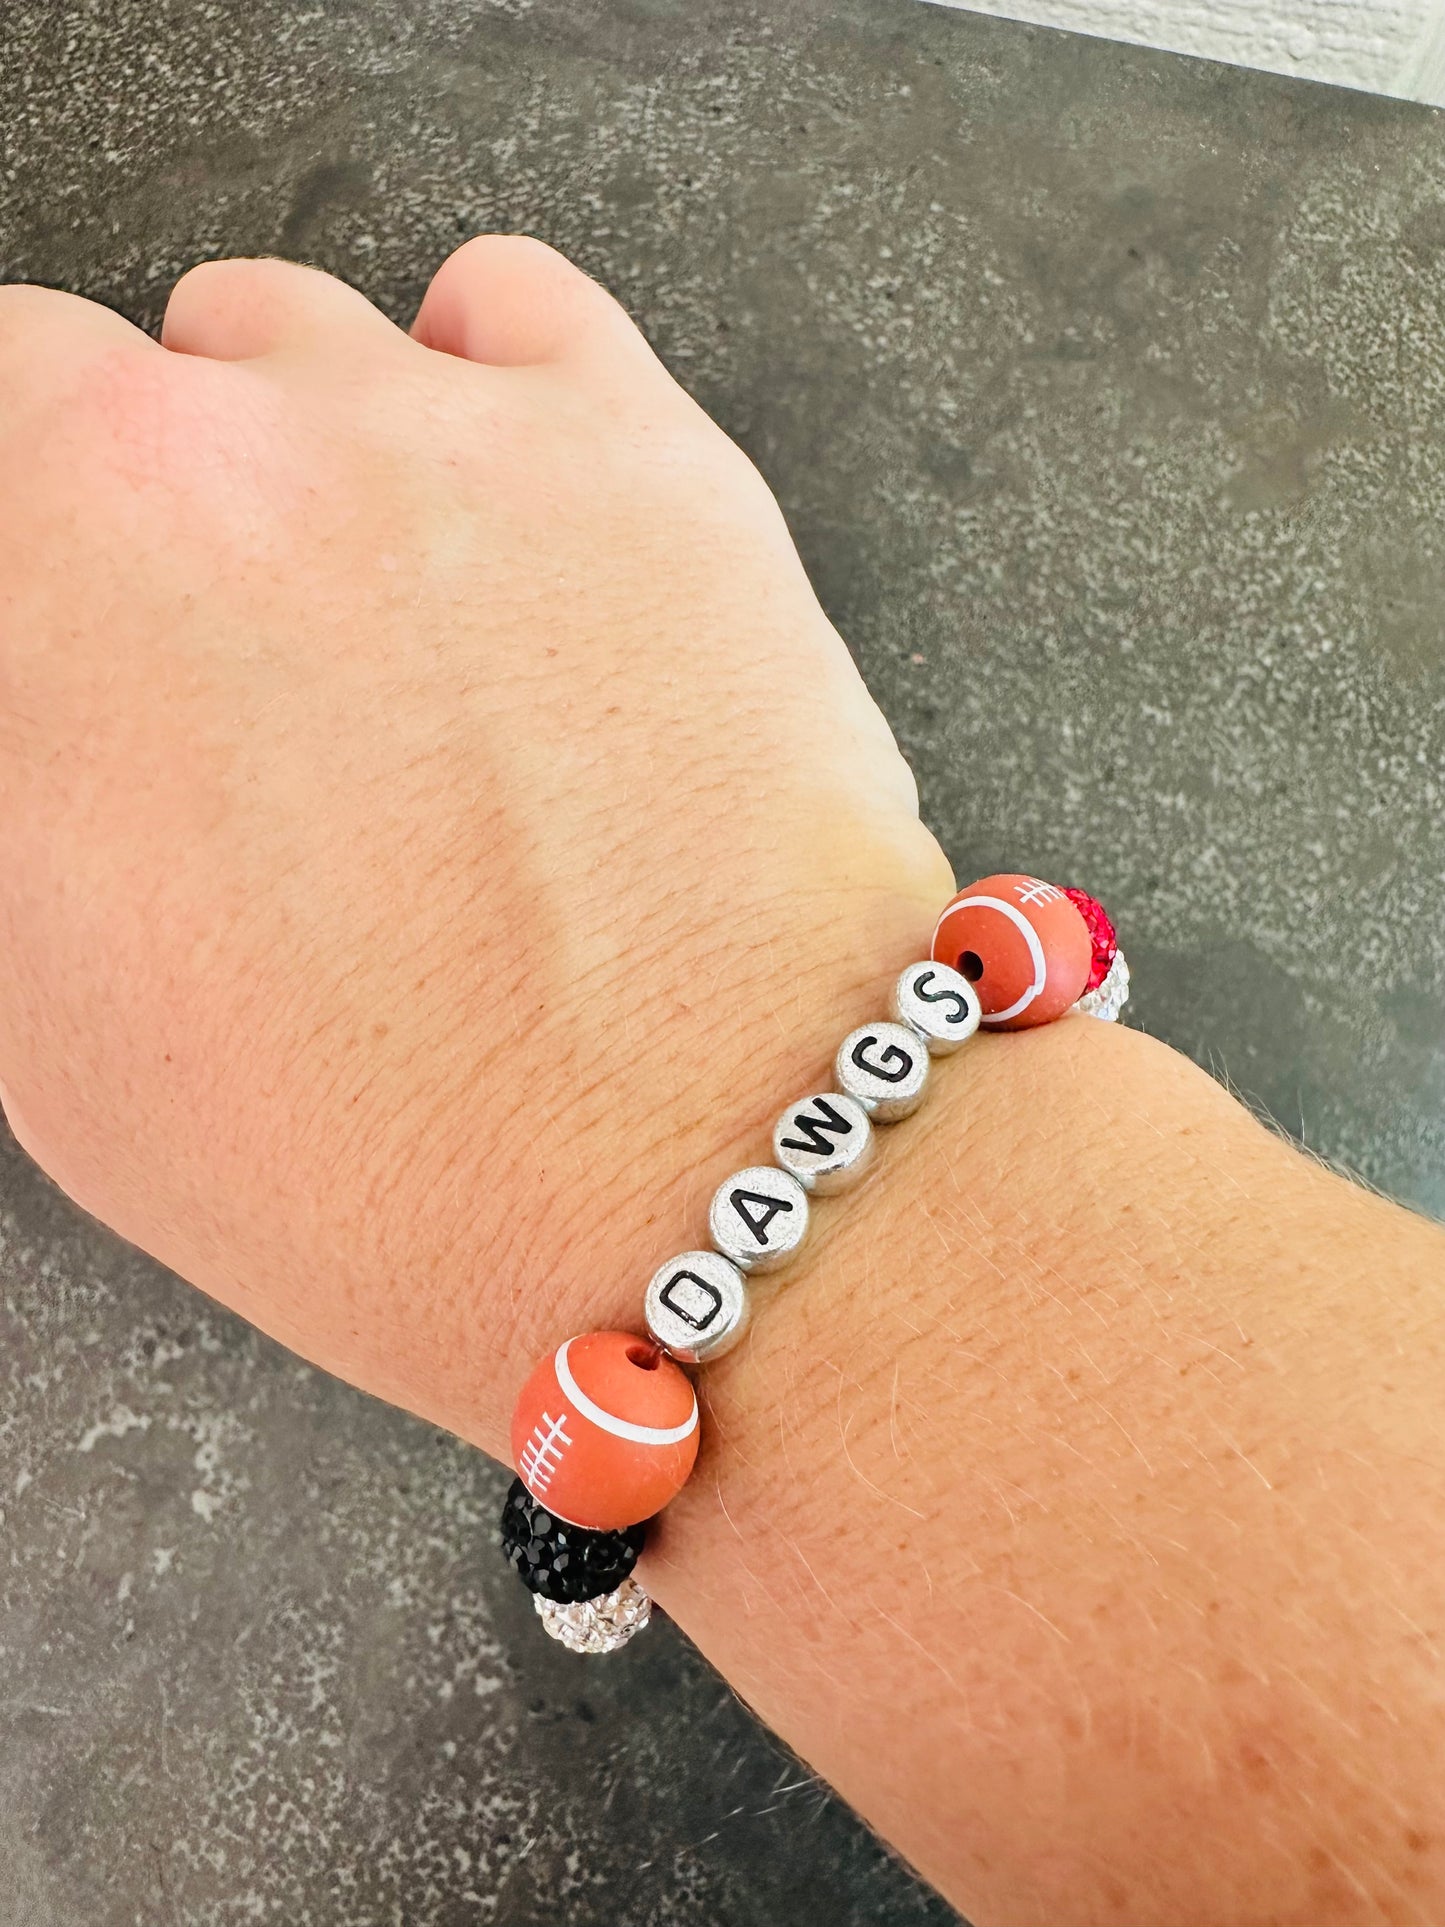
(597, 1625)
(1107, 999)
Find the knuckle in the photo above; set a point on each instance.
(211, 282)
(245, 280)
(520, 257)
(521, 251)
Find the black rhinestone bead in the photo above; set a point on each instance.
(562, 1562)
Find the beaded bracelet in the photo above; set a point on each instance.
(605, 1430)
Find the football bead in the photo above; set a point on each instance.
(1023, 945)
(604, 1432)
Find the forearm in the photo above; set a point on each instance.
(1074, 1508)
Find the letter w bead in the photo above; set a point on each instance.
(826, 1141)
(813, 1131)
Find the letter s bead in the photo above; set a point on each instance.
(939, 1003)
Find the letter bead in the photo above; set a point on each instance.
(885, 1067)
(697, 1306)
(939, 1003)
(758, 1217)
(826, 1141)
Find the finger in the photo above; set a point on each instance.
(237, 310)
(512, 301)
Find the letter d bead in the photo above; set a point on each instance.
(697, 1306)
(885, 1067)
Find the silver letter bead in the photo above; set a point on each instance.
(939, 1003)
(697, 1306)
(825, 1141)
(758, 1217)
(885, 1066)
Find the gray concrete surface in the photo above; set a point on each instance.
(1104, 392)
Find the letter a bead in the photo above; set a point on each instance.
(604, 1432)
(1021, 943)
(758, 1217)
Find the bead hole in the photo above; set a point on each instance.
(971, 965)
(645, 1357)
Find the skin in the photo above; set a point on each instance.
(441, 830)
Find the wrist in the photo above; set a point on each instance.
(1007, 1190)
(605, 1177)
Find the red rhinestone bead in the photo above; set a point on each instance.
(1101, 935)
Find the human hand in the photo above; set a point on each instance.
(439, 819)
(440, 830)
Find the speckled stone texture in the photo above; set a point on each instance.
(1104, 392)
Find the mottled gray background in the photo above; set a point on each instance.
(1104, 392)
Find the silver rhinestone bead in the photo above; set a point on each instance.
(825, 1141)
(697, 1306)
(758, 1217)
(885, 1067)
(597, 1625)
(939, 1003)
(1108, 998)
